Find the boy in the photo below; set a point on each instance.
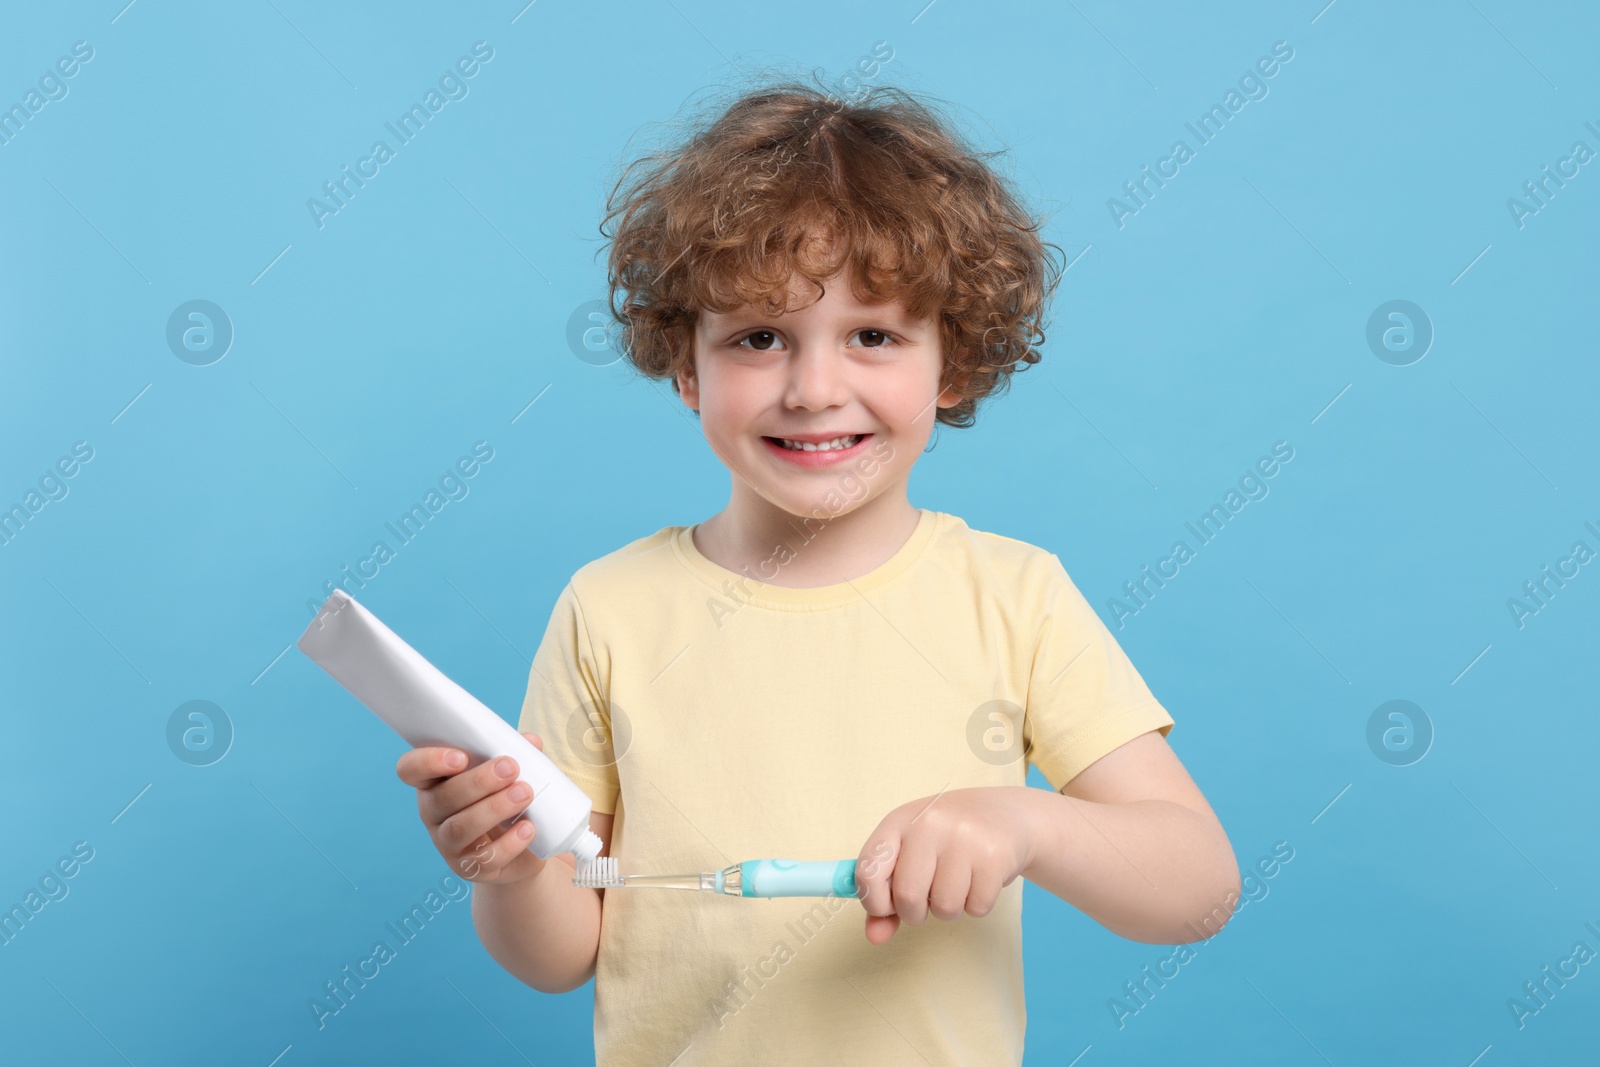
(822, 670)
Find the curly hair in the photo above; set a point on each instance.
(794, 179)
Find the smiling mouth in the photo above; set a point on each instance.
(838, 444)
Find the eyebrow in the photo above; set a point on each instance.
(884, 313)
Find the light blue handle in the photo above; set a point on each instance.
(791, 878)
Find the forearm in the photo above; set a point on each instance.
(545, 931)
(1148, 870)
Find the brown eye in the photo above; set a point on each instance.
(882, 338)
(767, 337)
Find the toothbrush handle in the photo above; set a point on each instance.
(791, 878)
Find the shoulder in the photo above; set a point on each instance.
(639, 561)
(997, 561)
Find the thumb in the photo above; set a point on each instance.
(880, 928)
(537, 743)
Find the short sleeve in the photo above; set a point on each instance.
(1085, 699)
(568, 707)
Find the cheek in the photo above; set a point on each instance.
(730, 400)
(909, 399)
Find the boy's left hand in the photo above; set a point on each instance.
(946, 854)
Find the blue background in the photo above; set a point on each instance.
(1229, 313)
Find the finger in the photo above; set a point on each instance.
(873, 867)
(952, 880)
(490, 854)
(913, 878)
(464, 789)
(425, 767)
(537, 741)
(880, 928)
(983, 893)
(460, 829)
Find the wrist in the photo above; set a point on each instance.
(1040, 817)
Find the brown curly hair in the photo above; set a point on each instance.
(767, 189)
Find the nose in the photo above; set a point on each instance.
(817, 378)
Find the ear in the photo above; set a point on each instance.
(689, 387)
(950, 397)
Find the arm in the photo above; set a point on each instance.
(1130, 841)
(544, 930)
(536, 924)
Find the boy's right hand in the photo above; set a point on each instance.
(463, 810)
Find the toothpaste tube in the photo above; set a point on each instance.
(426, 708)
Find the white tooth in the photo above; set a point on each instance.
(826, 446)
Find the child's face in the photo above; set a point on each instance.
(834, 368)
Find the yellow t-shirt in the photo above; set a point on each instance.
(724, 719)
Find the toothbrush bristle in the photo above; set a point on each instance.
(597, 874)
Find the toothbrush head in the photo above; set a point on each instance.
(598, 873)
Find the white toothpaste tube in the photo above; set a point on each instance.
(427, 708)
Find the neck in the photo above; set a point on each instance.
(753, 536)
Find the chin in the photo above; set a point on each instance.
(812, 510)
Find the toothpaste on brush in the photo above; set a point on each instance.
(426, 708)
